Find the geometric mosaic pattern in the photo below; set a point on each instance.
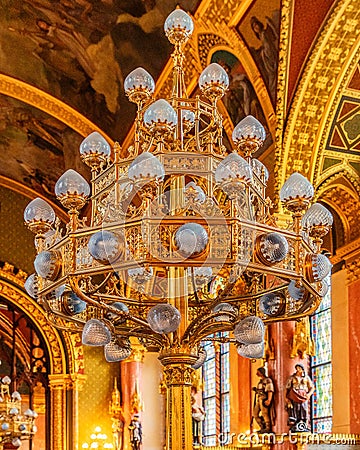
(321, 367)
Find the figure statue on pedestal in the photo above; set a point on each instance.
(198, 416)
(264, 412)
(135, 429)
(299, 389)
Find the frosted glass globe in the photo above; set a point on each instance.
(252, 351)
(39, 210)
(317, 215)
(249, 127)
(95, 143)
(233, 168)
(72, 182)
(47, 265)
(224, 308)
(72, 304)
(164, 318)
(95, 333)
(146, 167)
(30, 285)
(202, 355)
(191, 239)
(160, 112)
(296, 187)
(213, 74)
(272, 248)
(115, 351)
(250, 330)
(272, 304)
(106, 247)
(139, 79)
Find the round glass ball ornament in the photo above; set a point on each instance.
(164, 318)
(250, 330)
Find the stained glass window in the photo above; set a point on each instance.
(321, 367)
(216, 397)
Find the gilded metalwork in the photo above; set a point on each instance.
(303, 344)
(331, 54)
(45, 102)
(147, 214)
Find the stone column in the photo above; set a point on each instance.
(131, 386)
(354, 342)
(58, 386)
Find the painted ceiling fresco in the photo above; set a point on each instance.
(81, 50)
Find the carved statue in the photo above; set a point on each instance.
(299, 389)
(198, 416)
(135, 430)
(264, 413)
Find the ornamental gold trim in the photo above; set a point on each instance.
(45, 102)
(312, 102)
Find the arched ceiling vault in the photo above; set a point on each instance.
(329, 62)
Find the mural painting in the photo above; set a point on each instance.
(260, 31)
(240, 100)
(81, 51)
(36, 148)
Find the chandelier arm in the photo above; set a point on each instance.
(50, 317)
(196, 324)
(103, 283)
(297, 316)
(161, 340)
(209, 328)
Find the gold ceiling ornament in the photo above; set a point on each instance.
(16, 425)
(181, 244)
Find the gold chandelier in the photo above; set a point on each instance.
(15, 425)
(181, 244)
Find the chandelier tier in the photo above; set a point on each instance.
(181, 244)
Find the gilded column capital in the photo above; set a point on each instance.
(353, 270)
(178, 374)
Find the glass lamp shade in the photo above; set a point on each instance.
(260, 170)
(271, 248)
(16, 396)
(202, 355)
(30, 285)
(252, 351)
(317, 218)
(47, 265)
(72, 304)
(317, 267)
(95, 143)
(121, 307)
(72, 189)
(214, 80)
(71, 182)
(233, 168)
(16, 442)
(6, 380)
(193, 191)
(139, 85)
(272, 304)
(160, 116)
(114, 351)
(145, 168)
(106, 247)
(164, 318)
(296, 191)
(297, 292)
(250, 330)
(191, 239)
(224, 308)
(38, 210)
(141, 275)
(322, 288)
(95, 333)
(202, 275)
(249, 130)
(178, 26)
(188, 120)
